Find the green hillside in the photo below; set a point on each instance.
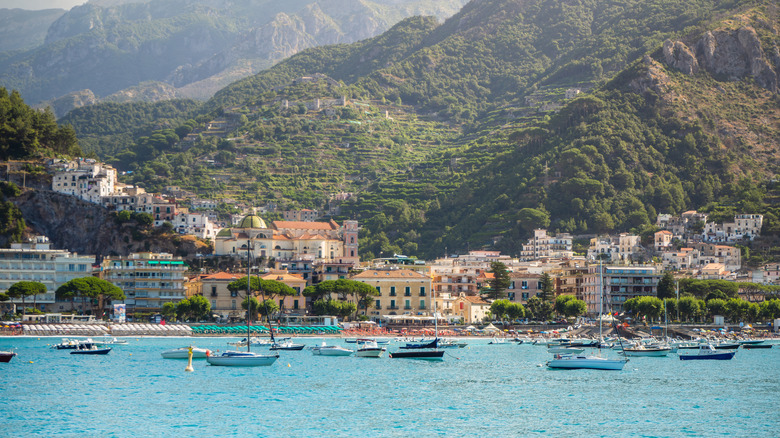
(479, 146)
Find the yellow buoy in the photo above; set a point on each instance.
(288, 365)
(189, 360)
(31, 362)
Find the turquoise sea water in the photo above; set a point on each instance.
(482, 390)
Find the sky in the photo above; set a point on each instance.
(40, 4)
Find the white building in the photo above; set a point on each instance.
(623, 248)
(543, 245)
(196, 224)
(745, 226)
(204, 204)
(37, 262)
(85, 179)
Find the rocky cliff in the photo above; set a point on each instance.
(86, 228)
(730, 54)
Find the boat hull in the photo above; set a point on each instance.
(332, 352)
(752, 346)
(423, 355)
(93, 351)
(662, 352)
(242, 360)
(586, 362)
(726, 355)
(6, 356)
(564, 350)
(370, 352)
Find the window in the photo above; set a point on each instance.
(392, 291)
(422, 304)
(524, 284)
(408, 291)
(233, 293)
(379, 289)
(407, 304)
(295, 304)
(422, 291)
(378, 304)
(392, 304)
(233, 304)
(213, 291)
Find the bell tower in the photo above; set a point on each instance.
(351, 242)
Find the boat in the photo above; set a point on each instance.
(555, 349)
(647, 351)
(755, 346)
(744, 342)
(370, 349)
(330, 350)
(6, 356)
(71, 344)
(286, 344)
(261, 342)
(727, 345)
(114, 341)
(244, 358)
(451, 343)
(423, 350)
(241, 359)
(90, 348)
(498, 341)
(708, 352)
(183, 353)
(576, 361)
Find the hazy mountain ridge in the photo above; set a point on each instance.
(21, 29)
(194, 45)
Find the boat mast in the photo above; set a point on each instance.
(601, 299)
(248, 293)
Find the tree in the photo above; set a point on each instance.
(538, 309)
(560, 303)
(252, 304)
(690, 308)
(666, 287)
(515, 311)
(499, 308)
(200, 308)
(267, 308)
(168, 311)
(500, 281)
(548, 287)
(24, 289)
(716, 306)
(574, 308)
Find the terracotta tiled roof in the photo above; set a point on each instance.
(664, 232)
(396, 273)
(283, 277)
(475, 299)
(300, 225)
(224, 276)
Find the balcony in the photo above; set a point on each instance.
(392, 307)
(407, 307)
(407, 294)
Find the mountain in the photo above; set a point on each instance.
(460, 135)
(196, 46)
(23, 30)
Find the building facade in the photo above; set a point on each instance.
(401, 291)
(36, 261)
(543, 245)
(621, 283)
(148, 280)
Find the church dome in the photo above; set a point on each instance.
(251, 221)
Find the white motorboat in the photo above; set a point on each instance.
(260, 342)
(107, 341)
(241, 359)
(370, 349)
(330, 350)
(183, 353)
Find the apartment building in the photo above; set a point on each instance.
(401, 291)
(542, 245)
(620, 284)
(149, 280)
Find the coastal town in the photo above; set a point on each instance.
(306, 248)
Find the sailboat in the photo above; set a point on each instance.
(579, 361)
(244, 358)
(424, 350)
